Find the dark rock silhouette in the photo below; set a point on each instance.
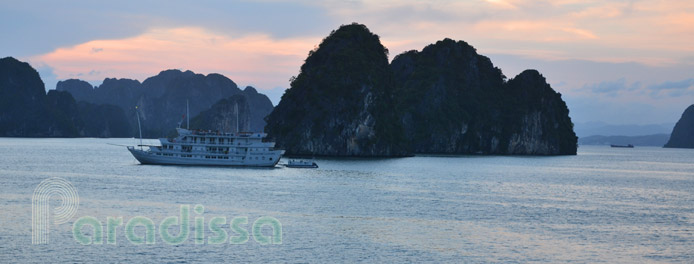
(538, 119)
(683, 133)
(22, 94)
(222, 116)
(161, 99)
(449, 98)
(347, 101)
(80, 90)
(27, 111)
(260, 106)
(340, 103)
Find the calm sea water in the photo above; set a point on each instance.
(603, 205)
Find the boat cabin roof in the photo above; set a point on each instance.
(209, 133)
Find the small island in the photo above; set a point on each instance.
(347, 100)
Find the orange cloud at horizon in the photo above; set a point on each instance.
(651, 33)
(655, 33)
(255, 59)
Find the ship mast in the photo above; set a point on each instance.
(139, 128)
(187, 116)
(236, 109)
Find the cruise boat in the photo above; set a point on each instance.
(199, 147)
(205, 147)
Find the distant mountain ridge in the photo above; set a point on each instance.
(27, 111)
(109, 110)
(223, 115)
(599, 128)
(656, 140)
(161, 99)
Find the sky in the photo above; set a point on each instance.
(617, 62)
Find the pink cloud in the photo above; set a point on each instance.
(654, 33)
(252, 59)
(648, 32)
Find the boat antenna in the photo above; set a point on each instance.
(139, 128)
(236, 109)
(187, 116)
(248, 122)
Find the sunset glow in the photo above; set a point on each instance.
(264, 43)
(242, 59)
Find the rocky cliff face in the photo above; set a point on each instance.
(538, 119)
(453, 100)
(683, 134)
(103, 121)
(161, 99)
(444, 99)
(27, 111)
(83, 119)
(260, 106)
(339, 103)
(163, 102)
(80, 90)
(22, 94)
(222, 116)
(449, 97)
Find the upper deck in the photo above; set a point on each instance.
(217, 134)
(209, 138)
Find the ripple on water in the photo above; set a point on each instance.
(603, 205)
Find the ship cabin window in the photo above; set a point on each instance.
(270, 158)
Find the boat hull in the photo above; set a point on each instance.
(147, 157)
(302, 166)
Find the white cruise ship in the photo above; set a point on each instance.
(197, 147)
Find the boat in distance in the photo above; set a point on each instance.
(213, 148)
(301, 164)
(622, 146)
